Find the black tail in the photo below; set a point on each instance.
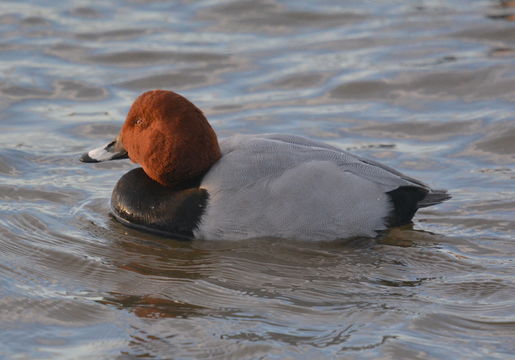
(408, 199)
(434, 197)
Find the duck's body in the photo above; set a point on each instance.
(271, 185)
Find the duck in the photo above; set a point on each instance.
(190, 185)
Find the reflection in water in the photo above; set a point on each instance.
(426, 88)
(507, 13)
(507, 3)
(152, 307)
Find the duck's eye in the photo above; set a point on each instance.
(138, 121)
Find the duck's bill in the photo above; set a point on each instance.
(111, 151)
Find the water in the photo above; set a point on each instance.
(427, 87)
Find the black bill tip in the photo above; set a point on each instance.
(87, 159)
(111, 151)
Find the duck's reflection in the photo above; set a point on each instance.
(507, 3)
(149, 271)
(507, 13)
(152, 307)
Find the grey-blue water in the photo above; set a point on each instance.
(427, 87)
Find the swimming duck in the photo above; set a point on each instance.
(190, 185)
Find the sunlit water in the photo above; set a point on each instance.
(425, 86)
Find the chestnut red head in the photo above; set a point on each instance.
(167, 135)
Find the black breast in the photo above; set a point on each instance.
(140, 202)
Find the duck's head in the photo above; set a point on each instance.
(167, 135)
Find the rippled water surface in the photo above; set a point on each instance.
(425, 86)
